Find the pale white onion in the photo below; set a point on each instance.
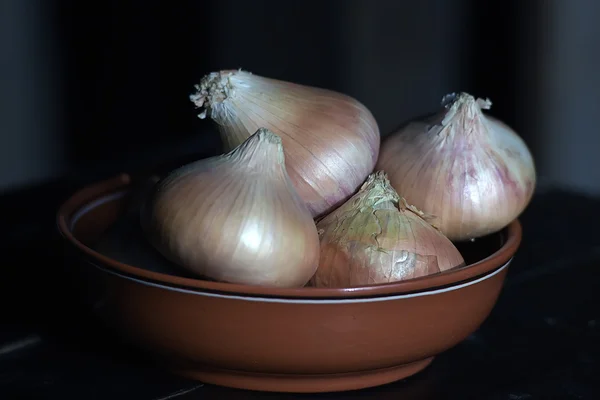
(331, 141)
(235, 218)
(376, 237)
(468, 169)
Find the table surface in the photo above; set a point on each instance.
(542, 340)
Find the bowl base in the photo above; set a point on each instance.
(304, 383)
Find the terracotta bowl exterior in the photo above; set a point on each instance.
(287, 340)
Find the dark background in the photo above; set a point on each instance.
(89, 89)
(103, 85)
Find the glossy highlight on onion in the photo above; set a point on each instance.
(235, 218)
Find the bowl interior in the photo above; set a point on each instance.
(102, 221)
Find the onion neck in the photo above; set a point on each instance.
(212, 91)
(465, 112)
(377, 193)
(262, 151)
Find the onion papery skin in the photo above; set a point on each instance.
(469, 170)
(235, 218)
(376, 237)
(331, 141)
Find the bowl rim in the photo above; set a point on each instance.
(310, 300)
(122, 182)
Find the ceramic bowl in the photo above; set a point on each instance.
(272, 339)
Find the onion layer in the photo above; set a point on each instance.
(331, 141)
(376, 237)
(469, 170)
(235, 218)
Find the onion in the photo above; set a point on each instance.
(331, 141)
(469, 170)
(235, 218)
(376, 237)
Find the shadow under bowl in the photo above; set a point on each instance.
(274, 339)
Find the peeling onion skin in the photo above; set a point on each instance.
(331, 141)
(376, 237)
(469, 170)
(235, 218)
